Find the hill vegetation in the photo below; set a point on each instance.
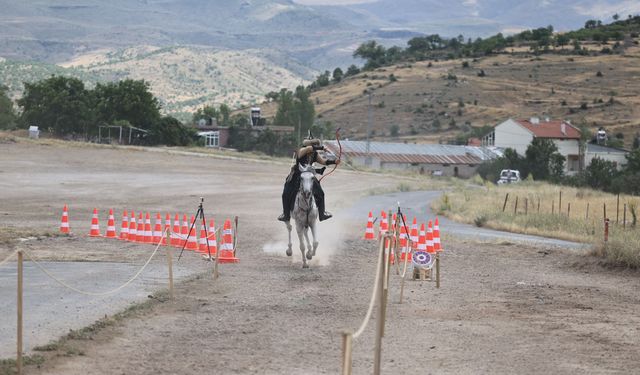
(429, 95)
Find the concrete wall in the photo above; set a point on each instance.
(616, 157)
(510, 134)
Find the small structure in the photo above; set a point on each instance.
(34, 132)
(615, 155)
(434, 159)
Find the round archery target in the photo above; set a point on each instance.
(422, 259)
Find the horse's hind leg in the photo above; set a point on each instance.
(314, 233)
(289, 252)
(300, 235)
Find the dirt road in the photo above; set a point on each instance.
(502, 308)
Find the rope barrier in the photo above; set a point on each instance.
(5, 260)
(372, 303)
(101, 293)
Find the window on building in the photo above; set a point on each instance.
(213, 139)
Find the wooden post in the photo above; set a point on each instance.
(618, 209)
(170, 265)
(437, 270)
(235, 235)
(624, 217)
(19, 308)
(606, 230)
(526, 206)
(560, 204)
(568, 210)
(347, 341)
(504, 206)
(553, 203)
(404, 276)
(538, 204)
(515, 207)
(604, 211)
(587, 217)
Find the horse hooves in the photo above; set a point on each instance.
(289, 252)
(309, 255)
(305, 266)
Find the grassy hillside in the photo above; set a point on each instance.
(433, 102)
(183, 78)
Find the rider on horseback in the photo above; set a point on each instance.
(307, 155)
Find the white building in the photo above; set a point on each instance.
(518, 134)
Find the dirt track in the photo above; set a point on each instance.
(502, 308)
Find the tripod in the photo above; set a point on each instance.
(199, 214)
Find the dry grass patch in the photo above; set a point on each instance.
(542, 209)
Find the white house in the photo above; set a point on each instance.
(518, 134)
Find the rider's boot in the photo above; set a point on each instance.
(323, 215)
(284, 217)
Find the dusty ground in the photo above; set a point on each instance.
(501, 309)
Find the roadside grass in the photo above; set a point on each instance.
(552, 211)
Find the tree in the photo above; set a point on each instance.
(616, 17)
(206, 113)
(600, 173)
(225, 113)
(60, 104)
(372, 52)
(541, 158)
(8, 117)
(295, 109)
(337, 75)
(352, 70)
(169, 131)
(633, 161)
(128, 100)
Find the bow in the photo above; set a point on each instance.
(339, 155)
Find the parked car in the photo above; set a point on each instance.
(509, 176)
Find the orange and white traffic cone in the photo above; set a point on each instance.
(369, 234)
(111, 226)
(203, 240)
(140, 231)
(430, 238)
(192, 242)
(157, 229)
(384, 224)
(95, 227)
(227, 253)
(414, 233)
(64, 222)
(133, 232)
(394, 222)
(175, 233)
(124, 228)
(213, 244)
(148, 233)
(184, 231)
(422, 239)
(436, 237)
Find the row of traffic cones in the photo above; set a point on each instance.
(184, 235)
(427, 239)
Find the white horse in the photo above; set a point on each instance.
(305, 213)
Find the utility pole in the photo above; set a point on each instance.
(367, 161)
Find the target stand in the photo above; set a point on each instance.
(422, 264)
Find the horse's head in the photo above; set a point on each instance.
(306, 181)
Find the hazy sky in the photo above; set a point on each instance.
(332, 2)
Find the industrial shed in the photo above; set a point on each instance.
(435, 159)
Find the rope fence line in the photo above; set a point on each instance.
(96, 294)
(372, 302)
(5, 260)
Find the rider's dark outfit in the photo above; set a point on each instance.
(292, 184)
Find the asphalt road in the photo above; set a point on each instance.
(51, 310)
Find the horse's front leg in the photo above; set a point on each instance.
(314, 234)
(309, 248)
(300, 230)
(289, 251)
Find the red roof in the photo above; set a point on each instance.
(551, 129)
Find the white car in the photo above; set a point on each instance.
(509, 176)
